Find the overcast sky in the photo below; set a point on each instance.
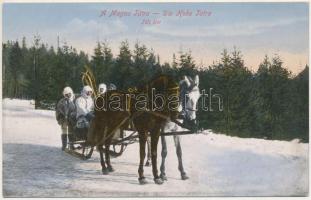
(254, 28)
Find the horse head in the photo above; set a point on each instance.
(192, 95)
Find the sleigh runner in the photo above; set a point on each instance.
(127, 136)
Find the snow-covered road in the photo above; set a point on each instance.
(218, 165)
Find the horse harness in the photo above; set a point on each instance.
(131, 116)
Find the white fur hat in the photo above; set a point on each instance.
(87, 88)
(102, 86)
(67, 90)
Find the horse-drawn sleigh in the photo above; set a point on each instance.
(123, 117)
(121, 140)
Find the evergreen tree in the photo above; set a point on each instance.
(261, 99)
(15, 62)
(6, 75)
(298, 120)
(108, 62)
(174, 63)
(122, 68)
(139, 72)
(187, 64)
(98, 63)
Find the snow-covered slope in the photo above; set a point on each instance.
(218, 165)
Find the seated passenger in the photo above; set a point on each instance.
(85, 107)
(112, 86)
(102, 88)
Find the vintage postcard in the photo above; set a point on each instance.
(155, 99)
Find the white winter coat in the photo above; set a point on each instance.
(84, 105)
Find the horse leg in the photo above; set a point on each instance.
(154, 145)
(179, 156)
(107, 155)
(102, 160)
(142, 147)
(163, 155)
(148, 152)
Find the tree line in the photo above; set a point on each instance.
(270, 103)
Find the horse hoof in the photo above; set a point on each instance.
(158, 181)
(142, 181)
(105, 171)
(184, 177)
(163, 177)
(147, 164)
(110, 169)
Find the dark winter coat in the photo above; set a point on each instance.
(65, 110)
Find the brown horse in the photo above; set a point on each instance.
(109, 118)
(153, 120)
(148, 108)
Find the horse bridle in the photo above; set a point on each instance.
(191, 89)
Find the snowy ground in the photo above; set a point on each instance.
(218, 165)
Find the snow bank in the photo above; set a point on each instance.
(259, 146)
